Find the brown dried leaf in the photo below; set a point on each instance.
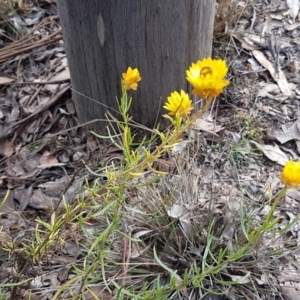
(5, 80)
(8, 149)
(202, 124)
(39, 200)
(23, 7)
(48, 160)
(290, 292)
(176, 211)
(278, 77)
(294, 6)
(14, 115)
(291, 27)
(273, 152)
(92, 144)
(286, 134)
(54, 188)
(294, 194)
(28, 159)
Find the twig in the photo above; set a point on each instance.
(39, 88)
(48, 40)
(126, 258)
(38, 111)
(40, 82)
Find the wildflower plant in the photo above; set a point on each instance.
(208, 79)
(129, 82)
(132, 245)
(207, 76)
(124, 139)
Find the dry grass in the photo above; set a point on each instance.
(10, 11)
(228, 12)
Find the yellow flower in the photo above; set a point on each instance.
(207, 76)
(179, 105)
(131, 78)
(290, 175)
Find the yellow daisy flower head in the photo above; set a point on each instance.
(131, 78)
(207, 76)
(179, 105)
(290, 175)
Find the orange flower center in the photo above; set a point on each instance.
(206, 71)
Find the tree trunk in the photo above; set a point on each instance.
(159, 37)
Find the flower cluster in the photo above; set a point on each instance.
(131, 78)
(290, 175)
(207, 76)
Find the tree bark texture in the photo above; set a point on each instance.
(159, 37)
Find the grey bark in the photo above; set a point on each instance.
(159, 37)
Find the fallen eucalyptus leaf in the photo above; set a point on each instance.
(279, 76)
(286, 134)
(5, 80)
(176, 211)
(294, 6)
(273, 153)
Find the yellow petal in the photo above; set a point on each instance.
(290, 175)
